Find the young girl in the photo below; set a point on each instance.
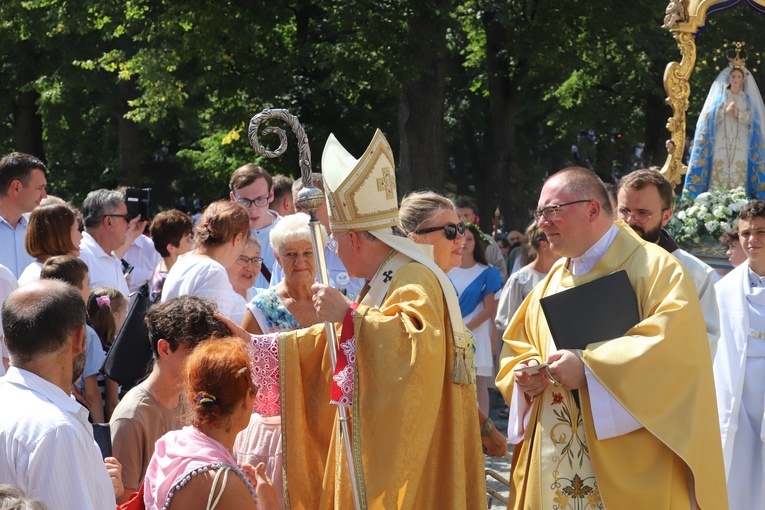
(107, 310)
(478, 285)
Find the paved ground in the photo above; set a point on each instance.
(501, 466)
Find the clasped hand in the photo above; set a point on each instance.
(732, 108)
(330, 304)
(565, 368)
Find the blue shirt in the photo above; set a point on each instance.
(13, 252)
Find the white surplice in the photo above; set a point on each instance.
(739, 369)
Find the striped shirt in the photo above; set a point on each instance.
(47, 447)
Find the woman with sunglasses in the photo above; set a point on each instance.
(429, 218)
(478, 285)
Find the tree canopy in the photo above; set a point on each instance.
(479, 98)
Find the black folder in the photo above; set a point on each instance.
(130, 358)
(596, 311)
(102, 433)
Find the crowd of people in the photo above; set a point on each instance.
(240, 406)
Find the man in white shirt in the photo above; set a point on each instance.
(46, 443)
(644, 202)
(144, 258)
(106, 224)
(22, 186)
(252, 187)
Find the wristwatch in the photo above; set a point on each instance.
(488, 427)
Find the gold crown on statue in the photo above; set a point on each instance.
(361, 193)
(737, 60)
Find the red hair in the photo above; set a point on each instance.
(219, 378)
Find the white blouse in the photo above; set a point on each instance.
(202, 277)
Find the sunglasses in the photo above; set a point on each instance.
(450, 230)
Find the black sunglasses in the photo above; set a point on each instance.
(450, 230)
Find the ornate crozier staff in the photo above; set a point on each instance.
(309, 199)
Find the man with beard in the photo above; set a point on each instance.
(46, 443)
(645, 203)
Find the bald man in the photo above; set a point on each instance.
(46, 443)
(646, 434)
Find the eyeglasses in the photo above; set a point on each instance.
(639, 216)
(450, 230)
(123, 216)
(332, 241)
(243, 260)
(257, 202)
(551, 212)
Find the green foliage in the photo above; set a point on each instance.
(191, 74)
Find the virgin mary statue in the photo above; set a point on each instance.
(728, 147)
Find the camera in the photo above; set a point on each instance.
(138, 201)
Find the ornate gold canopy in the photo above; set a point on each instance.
(684, 18)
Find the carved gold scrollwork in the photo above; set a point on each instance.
(678, 90)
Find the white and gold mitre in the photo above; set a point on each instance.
(361, 193)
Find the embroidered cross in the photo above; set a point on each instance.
(387, 276)
(386, 183)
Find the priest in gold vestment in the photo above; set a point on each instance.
(403, 368)
(647, 433)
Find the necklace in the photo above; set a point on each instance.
(305, 320)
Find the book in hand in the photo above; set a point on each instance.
(596, 311)
(532, 369)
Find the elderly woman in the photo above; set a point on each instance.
(285, 307)
(429, 218)
(53, 230)
(219, 238)
(192, 467)
(242, 276)
(289, 305)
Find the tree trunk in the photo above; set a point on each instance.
(129, 137)
(503, 159)
(655, 150)
(27, 123)
(421, 113)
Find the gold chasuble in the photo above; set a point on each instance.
(415, 433)
(660, 372)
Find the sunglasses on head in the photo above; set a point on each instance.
(450, 230)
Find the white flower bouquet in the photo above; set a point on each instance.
(703, 219)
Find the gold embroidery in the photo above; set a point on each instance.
(386, 183)
(356, 204)
(567, 467)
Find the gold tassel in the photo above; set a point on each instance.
(462, 373)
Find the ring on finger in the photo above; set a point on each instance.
(552, 377)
